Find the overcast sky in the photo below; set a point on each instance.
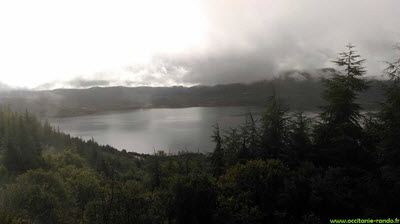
(48, 44)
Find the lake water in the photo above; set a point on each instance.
(149, 130)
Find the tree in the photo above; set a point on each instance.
(300, 142)
(41, 197)
(83, 185)
(20, 142)
(154, 168)
(233, 146)
(193, 198)
(274, 129)
(389, 129)
(340, 128)
(253, 192)
(217, 157)
(390, 113)
(250, 138)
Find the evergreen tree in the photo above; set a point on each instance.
(300, 142)
(340, 131)
(342, 89)
(233, 145)
(250, 138)
(389, 129)
(390, 114)
(274, 129)
(217, 157)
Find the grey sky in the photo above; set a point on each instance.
(199, 42)
(250, 44)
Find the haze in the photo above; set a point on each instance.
(78, 44)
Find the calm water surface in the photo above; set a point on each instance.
(146, 130)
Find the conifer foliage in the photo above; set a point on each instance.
(343, 112)
(278, 167)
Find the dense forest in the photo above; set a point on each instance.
(282, 168)
(301, 90)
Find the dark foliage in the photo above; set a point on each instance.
(282, 168)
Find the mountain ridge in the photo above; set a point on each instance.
(298, 89)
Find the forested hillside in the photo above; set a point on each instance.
(279, 169)
(299, 90)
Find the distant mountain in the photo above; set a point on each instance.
(299, 90)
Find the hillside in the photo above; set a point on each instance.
(300, 91)
(283, 168)
(304, 173)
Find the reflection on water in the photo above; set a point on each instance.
(149, 130)
(146, 130)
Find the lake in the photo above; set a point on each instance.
(149, 130)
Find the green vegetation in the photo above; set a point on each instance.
(282, 168)
(298, 89)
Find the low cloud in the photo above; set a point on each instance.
(253, 40)
(4, 87)
(84, 83)
(77, 83)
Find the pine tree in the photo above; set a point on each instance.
(342, 90)
(300, 142)
(274, 129)
(217, 157)
(250, 138)
(390, 114)
(340, 131)
(233, 146)
(389, 129)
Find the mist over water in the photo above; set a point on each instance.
(146, 130)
